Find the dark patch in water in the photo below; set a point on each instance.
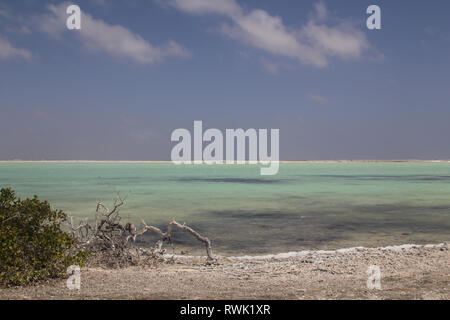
(232, 180)
(294, 198)
(439, 208)
(398, 209)
(424, 178)
(382, 208)
(125, 178)
(268, 231)
(390, 227)
(252, 215)
(143, 193)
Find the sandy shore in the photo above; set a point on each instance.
(407, 272)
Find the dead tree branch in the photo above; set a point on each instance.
(110, 239)
(167, 236)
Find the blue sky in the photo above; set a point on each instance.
(137, 70)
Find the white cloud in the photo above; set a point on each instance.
(342, 41)
(7, 50)
(115, 40)
(312, 44)
(268, 33)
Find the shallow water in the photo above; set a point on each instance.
(307, 205)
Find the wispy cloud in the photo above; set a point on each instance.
(430, 30)
(225, 7)
(115, 40)
(23, 29)
(144, 135)
(3, 13)
(8, 50)
(317, 98)
(270, 66)
(273, 66)
(313, 44)
(99, 2)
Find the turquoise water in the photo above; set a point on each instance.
(307, 205)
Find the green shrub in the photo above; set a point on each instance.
(32, 244)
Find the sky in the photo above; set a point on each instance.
(137, 70)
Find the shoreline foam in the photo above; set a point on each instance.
(303, 253)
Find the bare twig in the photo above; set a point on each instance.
(10, 218)
(168, 235)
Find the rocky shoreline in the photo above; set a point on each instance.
(406, 272)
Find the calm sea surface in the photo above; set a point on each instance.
(307, 205)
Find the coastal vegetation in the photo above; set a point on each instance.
(33, 244)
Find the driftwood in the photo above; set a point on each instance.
(167, 236)
(109, 240)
